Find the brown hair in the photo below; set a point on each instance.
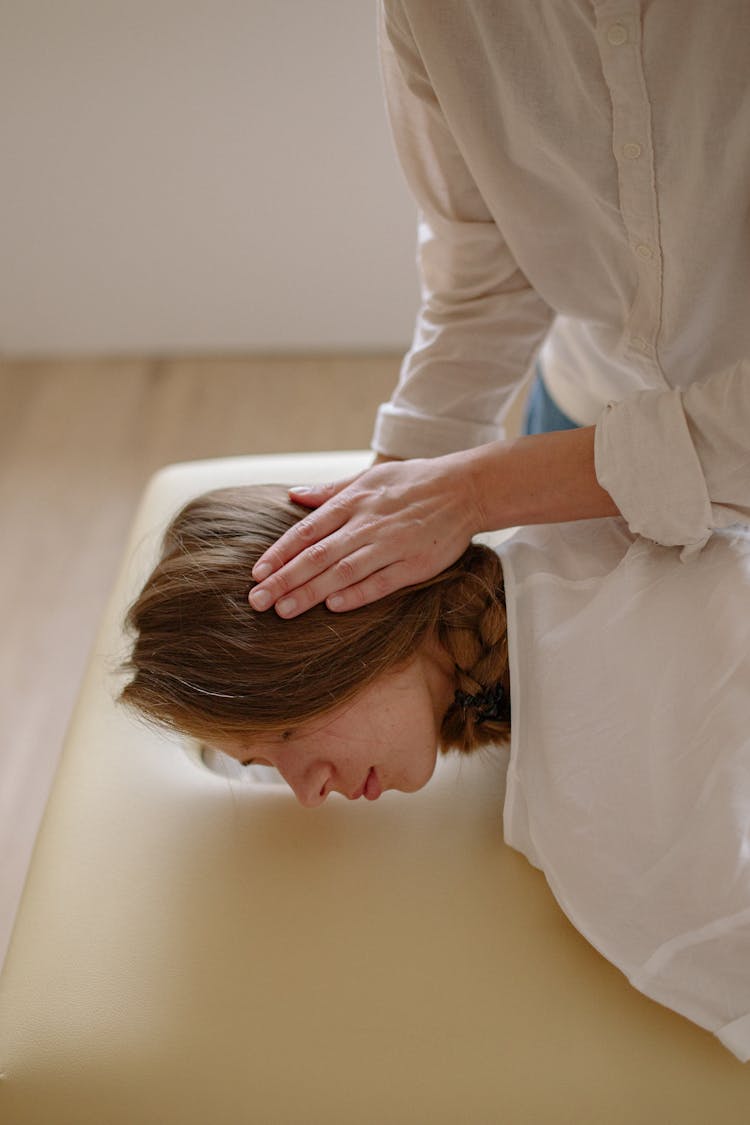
(203, 662)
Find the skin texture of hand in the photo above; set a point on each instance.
(402, 522)
(395, 524)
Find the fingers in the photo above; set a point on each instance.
(312, 576)
(306, 531)
(376, 586)
(350, 583)
(303, 536)
(312, 496)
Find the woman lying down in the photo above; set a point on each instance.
(628, 672)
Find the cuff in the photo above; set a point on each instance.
(399, 433)
(646, 460)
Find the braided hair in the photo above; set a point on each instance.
(473, 631)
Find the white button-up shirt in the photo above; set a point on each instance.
(582, 172)
(629, 773)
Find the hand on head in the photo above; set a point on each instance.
(394, 525)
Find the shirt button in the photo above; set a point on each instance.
(644, 251)
(617, 35)
(631, 151)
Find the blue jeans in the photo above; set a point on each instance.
(543, 415)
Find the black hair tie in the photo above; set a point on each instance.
(491, 704)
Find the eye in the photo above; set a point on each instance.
(283, 737)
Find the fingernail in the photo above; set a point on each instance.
(285, 606)
(301, 490)
(261, 571)
(260, 599)
(335, 602)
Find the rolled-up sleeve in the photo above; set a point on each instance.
(480, 322)
(677, 463)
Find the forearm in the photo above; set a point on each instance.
(546, 478)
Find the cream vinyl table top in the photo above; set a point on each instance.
(192, 949)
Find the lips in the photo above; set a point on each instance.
(370, 787)
(373, 788)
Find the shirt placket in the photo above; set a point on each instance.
(618, 27)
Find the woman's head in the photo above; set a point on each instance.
(205, 663)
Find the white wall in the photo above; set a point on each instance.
(209, 175)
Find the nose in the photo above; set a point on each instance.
(310, 786)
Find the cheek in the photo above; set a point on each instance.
(410, 742)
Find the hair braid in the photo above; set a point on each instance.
(473, 631)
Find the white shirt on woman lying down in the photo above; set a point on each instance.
(629, 774)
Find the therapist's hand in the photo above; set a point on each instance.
(395, 524)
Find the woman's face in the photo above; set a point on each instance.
(384, 738)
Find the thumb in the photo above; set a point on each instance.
(312, 496)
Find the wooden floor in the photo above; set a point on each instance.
(78, 441)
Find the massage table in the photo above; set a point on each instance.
(194, 947)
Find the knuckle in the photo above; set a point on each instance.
(317, 554)
(306, 532)
(278, 585)
(340, 507)
(370, 526)
(345, 571)
(305, 597)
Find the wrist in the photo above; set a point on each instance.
(545, 478)
(478, 468)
